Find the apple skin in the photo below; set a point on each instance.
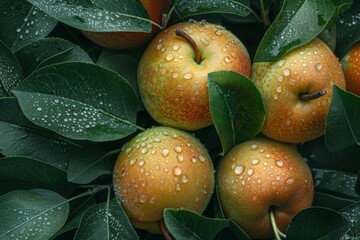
(127, 40)
(307, 69)
(351, 67)
(173, 86)
(162, 168)
(260, 174)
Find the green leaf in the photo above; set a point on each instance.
(185, 224)
(352, 214)
(27, 173)
(32, 214)
(343, 120)
(240, 234)
(79, 101)
(49, 51)
(322, 199)
(89, 163)
(10, 71)
(19, 137)
(22, 23)
(297, 23)
(103, 16)
(348, 29)
(187, 8)
(317, 223)
(236, 107)
(105, 221)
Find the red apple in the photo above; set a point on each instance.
(351, 67)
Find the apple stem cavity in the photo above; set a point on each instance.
(164, 230)
(306, 96)
(278, 234)
(182, 34)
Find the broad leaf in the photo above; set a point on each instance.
(79, 101)
(352, 214)
(49, 51)
(106, 16)
(10, 71)
(19, 137)
(343, 120)
(22, 23)
(236, 107)
(105, 221)
(297, 23)
(317, 223)
(89, 163)
(327, 200)
(185, 224)
(32, 214)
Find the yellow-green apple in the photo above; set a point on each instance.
(263, 177)
(173, 71)
(126, 40)
(297, 91)
(351, 67)
(162, 168)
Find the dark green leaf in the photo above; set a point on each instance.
(333, 202)
(19, 137)
(297, 23)
(357, 187)
(49, 51)
(10, 71)
(240, 234)
(32, 214)
(352, 214)
(105, 221)
(236, 107)
(343, 120)
(317, 223)
(187, 8)
(22, 23)
(79, 101)
(184, 224)
(107, 16)
(89, 163)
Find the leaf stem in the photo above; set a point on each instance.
(264, 15)
(278, 234)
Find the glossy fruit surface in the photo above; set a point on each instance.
(126, 40)
(308, 70)
(259, 175)
(162, 168)
(173, 85)
(351, 68)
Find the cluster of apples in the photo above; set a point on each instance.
(261, 180)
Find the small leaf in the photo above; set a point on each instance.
(185, 224)
(317, 223)
(343, 120)
(32, 214)
(87, 164)
(352, 214)
(79, 101)
(187, 8)
(297, 23)
(105, 221)
(21, 23)
(10, 71)
(49, 51)
(236, 107)
(106, 16)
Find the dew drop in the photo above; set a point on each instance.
(239, 169)
(188, 75)
(143, 198)
(159, 46)
(254, 147)
(289, 181)
(201, 158)
(279, 163)
(170, 57)
(193, 159)
(218, 32)
(279, 89)
(178, 187)
(176, 47)
(165, 152)
(141, 163)
(180, 158)
(204, 41)
(277, 177)
(287, 72)
(281, 63)
(227, 59)
(280, 78)
(132, 161)
(178, 149)
(177, 171)
(184, 179)
(250, 171)
(255, 161)
(318, 66)
(39, 109)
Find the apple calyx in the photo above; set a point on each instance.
(278, 234)
(164, 230)
(315, 95)
(182, 34)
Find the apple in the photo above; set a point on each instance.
(351, 67)
(297, 91)
(263, 177)
(162, 168)
(126, 40)
(173, 71)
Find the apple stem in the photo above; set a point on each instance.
(164, 230)
(182, 34)
(305, 96)
(278, 234)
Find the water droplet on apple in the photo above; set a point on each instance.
(188, 75)
(279, 89)
(254, 147)
(280, 78)
(176, 47)
(180, 87)
(178, 187)
(255, 161)
(177, 171)
(177, 149)
(289, 181)
(218, 32)
(227, 59)
(165, 152)
(201, 158)
(277, 177)
(193, 159)
(251, 171)
(184, 179)
(159, 46)
(175, 75)
(204, 41)
(132, 161)
(279, 163)
(281, 63)
(239, 169)
(287, 72)
(234, 55)
(180, 158)
(318, 66)
(170, 57)
(276, 96)
(143, 198)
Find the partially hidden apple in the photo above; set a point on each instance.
(351, 67)
(297, 91)
(162, 168)
(126, 40)
(263, 180)
(173, 71)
